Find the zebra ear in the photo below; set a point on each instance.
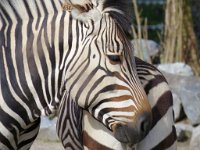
(81, 15)
(83, 10)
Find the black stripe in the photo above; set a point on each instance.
(5, 141)
(162, 106)
(153, 83)
(85, 83)
(70, 40)
(77, 48)
(35, 126)
(91, 29)
(9, 122)
(35, 77)
(12, 75)
(61, 36)
(7, 95)
(70, 114)
(20, 65)
(168, 141)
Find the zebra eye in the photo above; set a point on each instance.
(115, 58)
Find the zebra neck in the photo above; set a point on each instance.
(38, 43)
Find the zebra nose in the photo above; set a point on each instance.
(144, 123)
(133, 133)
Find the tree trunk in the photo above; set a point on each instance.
(180, 43)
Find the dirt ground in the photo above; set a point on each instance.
(42, 145)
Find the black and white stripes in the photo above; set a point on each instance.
(69, 124)
(95, 136)
(46, 51)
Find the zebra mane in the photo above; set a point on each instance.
(120, 11)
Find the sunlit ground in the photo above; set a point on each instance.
(41, 145)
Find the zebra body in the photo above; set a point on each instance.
(94, 135)
(46, 52)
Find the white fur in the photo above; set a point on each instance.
(79, 2)
(93, 14)
(113, 9)
(96, 128)
(158, 133)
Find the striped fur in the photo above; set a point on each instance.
(69, 124)
(96, 136)
(46, 51)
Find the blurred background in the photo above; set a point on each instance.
(165, 33)
(173, 25)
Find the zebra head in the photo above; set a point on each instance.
(104, 80)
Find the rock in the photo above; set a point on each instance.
(177, 106)
(177, 68)
(48, 130)
(184, 131)
(149, 48)
(195, 141)
(188, 89)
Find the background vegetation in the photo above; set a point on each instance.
(175, 25)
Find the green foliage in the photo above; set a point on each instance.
(154, 34)
(155, 14)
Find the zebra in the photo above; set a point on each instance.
(46, 51)
(78, 130)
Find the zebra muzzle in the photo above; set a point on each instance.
(132, 133)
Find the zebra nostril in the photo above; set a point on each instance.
(145, 123)
(127, 133)
(144, 126)
(119, 133)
